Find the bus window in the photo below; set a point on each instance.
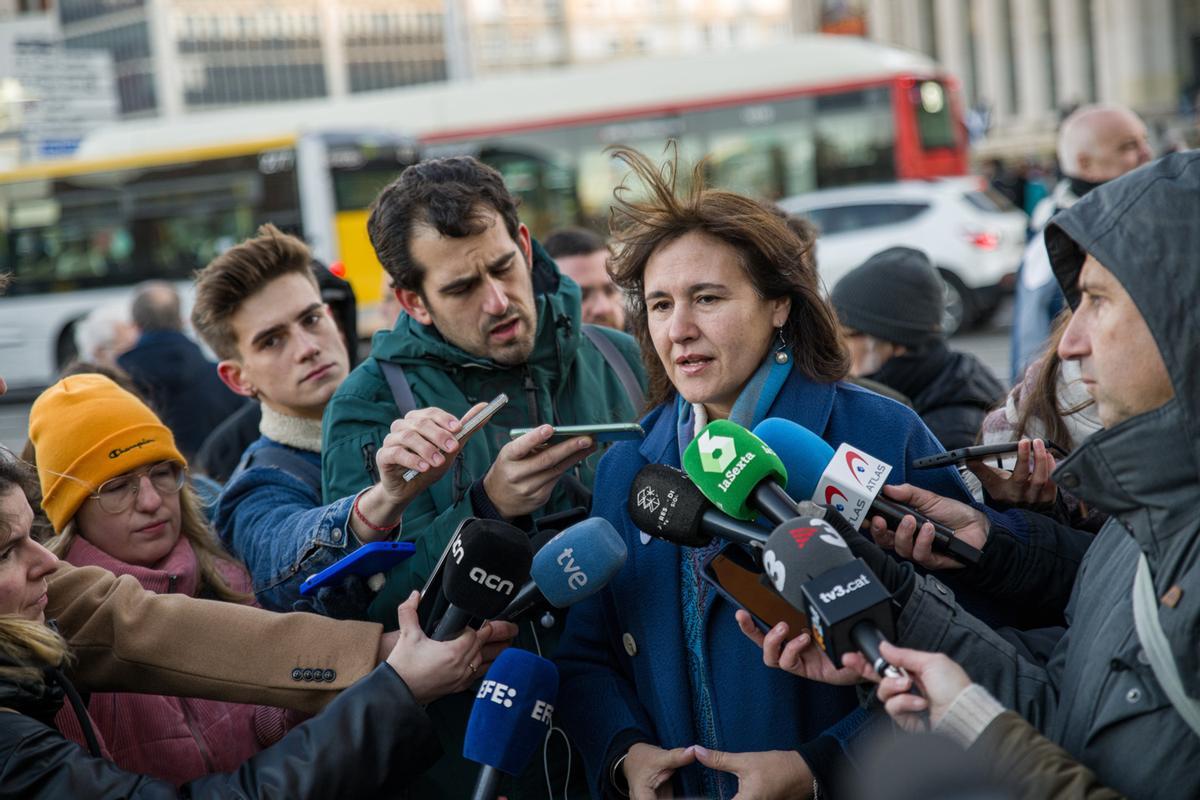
(545, 186)
(855, 140)
(935, 124)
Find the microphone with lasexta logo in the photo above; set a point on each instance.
(665, 503)
(848, 479)
(571, 566)
(811, 566)
(738, 473)
(487, 563)
(512, 713)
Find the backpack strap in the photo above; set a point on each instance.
(393, 373)
(619, 366)
(1158, 649)
(289, 461)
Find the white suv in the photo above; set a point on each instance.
(973, 236)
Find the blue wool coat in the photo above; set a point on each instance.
(608, 694)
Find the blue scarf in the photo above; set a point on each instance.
(748, 410)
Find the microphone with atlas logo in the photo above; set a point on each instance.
(487, 562)
(738, 473)
(573, 565)
(811, 566)
(849, 480)
(664, 503)
(512, 713)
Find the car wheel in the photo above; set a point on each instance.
(958, 313)
(64, 349)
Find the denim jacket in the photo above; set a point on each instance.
(275, 523)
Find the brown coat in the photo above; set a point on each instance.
(128, 639)
(1041, 768)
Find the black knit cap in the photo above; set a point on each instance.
(895, 295)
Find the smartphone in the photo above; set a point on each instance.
(372, 558)
(611, 432)
(737, 578)
(433, 602)
(469, 427)
(963, 454)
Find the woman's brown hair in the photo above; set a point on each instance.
(772, 255)
(1041, 404)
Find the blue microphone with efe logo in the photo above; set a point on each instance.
(513, 710)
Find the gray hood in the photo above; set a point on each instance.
(1145, 228)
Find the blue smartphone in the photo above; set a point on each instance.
(370, 559)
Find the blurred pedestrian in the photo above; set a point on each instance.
(1096, 143)
(582, 256)
(890, 309)
(171, 371)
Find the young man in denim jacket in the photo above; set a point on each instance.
(260, 310)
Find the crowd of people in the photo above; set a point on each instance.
(157, 638)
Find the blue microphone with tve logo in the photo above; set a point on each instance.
(811, 566)
(488, 561)
(573, 565)
(512, 713)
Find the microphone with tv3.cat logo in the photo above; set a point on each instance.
(811, 566)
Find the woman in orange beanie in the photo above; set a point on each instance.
(115, 489)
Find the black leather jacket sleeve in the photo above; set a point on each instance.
(1036, 571)
(373, 738)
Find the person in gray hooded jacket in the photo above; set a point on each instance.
(1125, 257)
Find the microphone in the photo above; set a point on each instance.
(738, 473)
(488, 560)
(571, 566)
(849, 610)
(510, 718)
(850, 481)
(664, 503)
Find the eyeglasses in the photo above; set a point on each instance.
(115, 496)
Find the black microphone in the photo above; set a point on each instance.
(664, 503)
(488, 560)
(849, 610)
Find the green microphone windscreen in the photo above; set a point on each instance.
(726, 462)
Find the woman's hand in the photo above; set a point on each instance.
(435, 669)
(938, 677)
(781, 774)
(968, 524)
(648, 770)
(1029, 485)
(800, 656)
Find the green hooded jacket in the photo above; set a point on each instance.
(566, 381)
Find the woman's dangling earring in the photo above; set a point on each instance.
(781, 354)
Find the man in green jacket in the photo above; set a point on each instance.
(486, 312)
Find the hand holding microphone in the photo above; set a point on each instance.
(435, 669)
(850, 480)
(918, 543)
(938, 678)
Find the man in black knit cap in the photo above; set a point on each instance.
(890, 309)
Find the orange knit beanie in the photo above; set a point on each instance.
(86, 430)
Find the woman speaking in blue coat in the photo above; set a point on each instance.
(660, 689)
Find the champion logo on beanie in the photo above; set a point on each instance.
(117, 452)
(87, 430)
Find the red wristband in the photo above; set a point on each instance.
(362, 518)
